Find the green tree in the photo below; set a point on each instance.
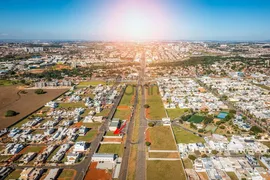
(40, 91)
(10, 113)
(146, 106)
(192, 157)
(147, 143)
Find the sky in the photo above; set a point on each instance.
(135, 19)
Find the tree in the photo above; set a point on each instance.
(214, 152)
(40, 91)
(147, 143)
(151, 124)
(192, 157)
(222, 127)
(10, 113)
(146, 106)
(204, 156)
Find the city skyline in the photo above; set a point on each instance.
(135, 20)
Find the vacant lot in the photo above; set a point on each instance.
(122, 114)
(111, 149)
(24, 104)
(183, 136)
(161, 138)
(175, 113)
(163, 155)
(156, 110)
(91, 83)
(160, 170)
(67, 174)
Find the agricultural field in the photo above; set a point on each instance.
(183, 136)
(161, 138)
(176, 113)
(111, 149)
(156, 110)
(11, 98)
(160, 170)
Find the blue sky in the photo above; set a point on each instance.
(102, 19)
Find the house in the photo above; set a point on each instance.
(31, 173)
(114, 124)
(5, 171)
(53, 174)
(73, 157)
(99, 157)
(28, 157)
(80, 146)
(82, 131)
(266, 161)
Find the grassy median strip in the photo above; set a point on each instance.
(134, 148)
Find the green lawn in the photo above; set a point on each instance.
(183, 136)
(175, 113)
(196, 119)
(92, 83)
(156, 109)
(187, 163)
(122, 114)
(71, 105)
(104, 112)
(161, 138)
(67, 174)
(20, 123)
(125, 101)
(110, 133)
(111, 149)
(89, 136)
(4, 82)
(91, 125)
(15, 174)
(232, 175)
(161, 170)
(5, 157)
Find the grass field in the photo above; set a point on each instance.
(111, 149)
(67, 174)
(15, 174)
(267, 143)
(71, 105)
(187, 163)
(156, 110)
(175, 113)
(89, 136)
(104, 112)
(5, 157)
(4, 82)
(161, 170)
(91, 83)
(232, 175)
(126, 99)
(122, 114)
(163, 155)
(183, 136)
(161, 138)
(196, 119)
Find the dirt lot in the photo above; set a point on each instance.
(24, 104)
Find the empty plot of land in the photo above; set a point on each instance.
(92, 83)
(67, 174)
(111, 149)
(163, 155)
(161, 138)
(183, 136)
(156, 110)
(176, 113)
(122, 114)
(94, 173)
(24, 104)
(232, 175)
(160, 170)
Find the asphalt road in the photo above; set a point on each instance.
(141, 163)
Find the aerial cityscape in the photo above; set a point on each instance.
(134, 90)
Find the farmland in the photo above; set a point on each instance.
(23, 103)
